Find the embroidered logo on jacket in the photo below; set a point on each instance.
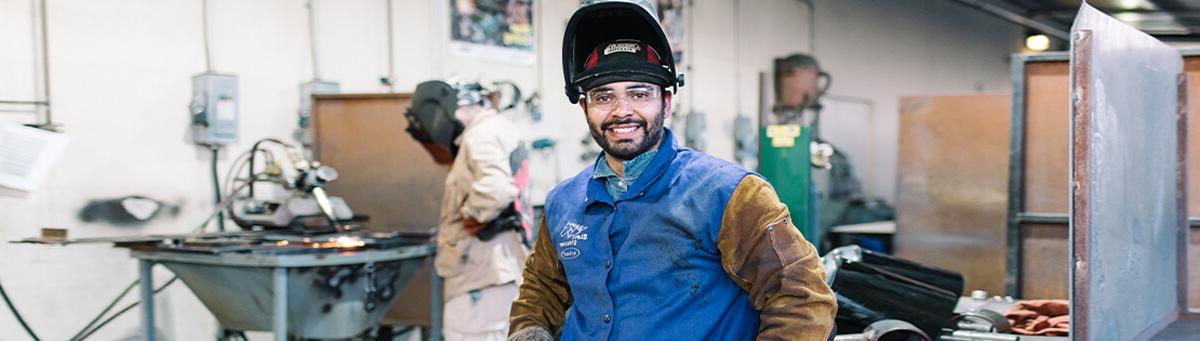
(571, 234)
(569, 253)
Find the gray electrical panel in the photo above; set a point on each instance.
(214, 109)
(302, 133)
(306, 92)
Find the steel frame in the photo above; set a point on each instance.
(1016, 178)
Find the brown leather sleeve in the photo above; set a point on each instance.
(768, 257)
(544, 296)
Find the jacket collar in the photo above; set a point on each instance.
(667, 150)
(482, 115)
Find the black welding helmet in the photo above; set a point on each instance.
(431, 119)
(615, 24)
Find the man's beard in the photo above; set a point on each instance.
(625, 149)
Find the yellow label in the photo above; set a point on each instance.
(783, 135)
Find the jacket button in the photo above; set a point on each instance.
(608, 264)
(607, 318)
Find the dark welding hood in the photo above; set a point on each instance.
(599, 21)
(431, 120)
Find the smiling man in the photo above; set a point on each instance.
(654, 240)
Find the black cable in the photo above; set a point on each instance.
(126, 309)
(250, 172)
(106, 310)
(217, 189)
(253, 151)
(17, 314)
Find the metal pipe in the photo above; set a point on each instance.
(812, 27)
(35, 38)
(1016, 18)
(737, 55)
(17, 111)
(437, 42)
(763, 100)
(25, 102)
(146, 269)
(391, 62)
(691, 42)
(312, 38)
(45, 66)
(537, 45)
(207, 37)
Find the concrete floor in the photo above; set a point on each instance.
(1187, 329)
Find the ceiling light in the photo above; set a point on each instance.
(1129, 17)
(1037, 42)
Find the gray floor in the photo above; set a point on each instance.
(1181, 330)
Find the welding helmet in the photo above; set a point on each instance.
(601, 28)
(431, 120)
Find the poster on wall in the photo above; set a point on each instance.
(670, 15)
(495, 30)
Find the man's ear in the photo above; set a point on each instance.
(667, 103)
(583, 105)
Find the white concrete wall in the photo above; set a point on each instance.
(121, 70)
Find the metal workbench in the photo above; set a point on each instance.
(233, 285)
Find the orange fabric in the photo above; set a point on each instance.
(1040, 317)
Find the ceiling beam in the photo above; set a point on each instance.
(1169, 5)
(1071, 12)
(1015, 15)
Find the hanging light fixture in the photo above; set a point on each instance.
(1037, 42)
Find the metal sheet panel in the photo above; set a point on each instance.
(1038, 171)
(1041, 108)
(1125, 166)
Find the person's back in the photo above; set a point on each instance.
(480, 185)
(484, 216)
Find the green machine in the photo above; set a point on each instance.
(786, 141)
(785, 160)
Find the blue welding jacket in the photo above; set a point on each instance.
(646, 265)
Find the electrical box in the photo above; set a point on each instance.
(745, 142)
(306, 92)
(302, 133)
(214, 109)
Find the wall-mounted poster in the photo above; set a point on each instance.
(670, 15)
(500, 30)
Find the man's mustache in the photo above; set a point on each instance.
(611, 123)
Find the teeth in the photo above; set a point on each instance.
(624, 130)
